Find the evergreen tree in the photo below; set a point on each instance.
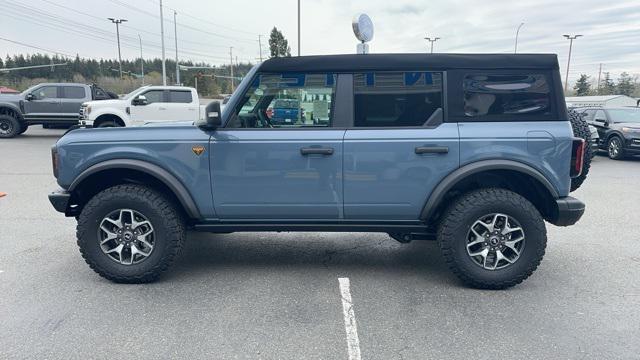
(278, 45)
(582, 86)
(607, 86)
(625, 85)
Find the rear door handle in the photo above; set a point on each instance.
(432, 150)
(316, 151)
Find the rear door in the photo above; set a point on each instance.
(398, 148)
(182, 105)
(264, 170)
(45, 104)
(72, 97)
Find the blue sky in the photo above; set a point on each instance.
(208, 28)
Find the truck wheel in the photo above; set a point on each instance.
(108, 124)
(581, 130)
(130, 234)
(615, 149)
(9, 126)
(492, 238)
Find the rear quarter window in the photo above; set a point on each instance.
(503, 96)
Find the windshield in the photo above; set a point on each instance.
(625, 115)
(129, 95)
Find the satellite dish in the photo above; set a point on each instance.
(363, 27)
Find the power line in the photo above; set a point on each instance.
(36, 47)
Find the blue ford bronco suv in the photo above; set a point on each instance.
(474, 151)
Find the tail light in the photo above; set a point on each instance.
(577, 157)
(54, 160)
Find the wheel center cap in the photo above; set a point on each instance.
(494, 241)
(128, 236)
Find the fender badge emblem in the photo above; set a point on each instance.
(198, 149)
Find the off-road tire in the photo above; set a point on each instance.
(108, 124)
(621, 155)
(12, 125)
(168, 224)
(581, 130)
(461, 215)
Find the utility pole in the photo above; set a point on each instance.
(118, 22)
(571, 38)
(231, 66)
(175, 29)
(260, 46)
(164, 65)
(432, 40)
(298, 27)
(141, 60)
(599, 75)
(517, 33)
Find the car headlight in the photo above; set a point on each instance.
(630, 130)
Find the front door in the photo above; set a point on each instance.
(155, 110)
(399, 148)
(45, 104)
(263, 169)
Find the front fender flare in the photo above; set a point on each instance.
(461, 173)
(13, 107)
(156, 171)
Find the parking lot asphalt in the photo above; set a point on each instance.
(277, 296)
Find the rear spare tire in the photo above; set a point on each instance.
(581, 130)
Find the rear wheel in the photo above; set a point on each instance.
(130, 234)
(615, 148)
(492, 238)
(9, 126)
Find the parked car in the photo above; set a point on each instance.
(144, 105)
(48, 104)
(595, 140)
(285, 112)
(618, 129)
(477, 167)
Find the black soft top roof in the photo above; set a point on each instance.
(382, 62)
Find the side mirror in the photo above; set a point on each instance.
(140, 100)
(30, 97)
(212, 117)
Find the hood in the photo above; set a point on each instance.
(10, 97)
(134, 134)
(169, 123)
(104, 103)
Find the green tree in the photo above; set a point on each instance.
(278, 45)
(582, 86)
(607, 86)
(625, 85)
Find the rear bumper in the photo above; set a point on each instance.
(60, 200)
(569, 211)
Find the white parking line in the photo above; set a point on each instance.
(353, 344)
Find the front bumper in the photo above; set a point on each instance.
(60, 200)
(568, 211)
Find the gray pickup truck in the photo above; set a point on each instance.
(48, 104)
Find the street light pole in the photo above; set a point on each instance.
(515, 51)
(175, 29)
(571, 38)
(118, 22)
(141, 60)
(260, 46)
(164, 65)
(298, 27)
(432, 40)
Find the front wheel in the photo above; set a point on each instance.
(130, 233)
(9, 126)
(492, 238)
(615, 148)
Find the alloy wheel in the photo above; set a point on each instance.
(495, 241)
(6, 127)
(126, 236)
(614, 147)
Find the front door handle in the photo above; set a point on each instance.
(316, 151)
(162, 108)
(432, 150)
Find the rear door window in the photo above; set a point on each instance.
(177, 96)
(506, 96)
(73, 92)
(396, 99)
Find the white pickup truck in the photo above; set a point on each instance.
(147, 104)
